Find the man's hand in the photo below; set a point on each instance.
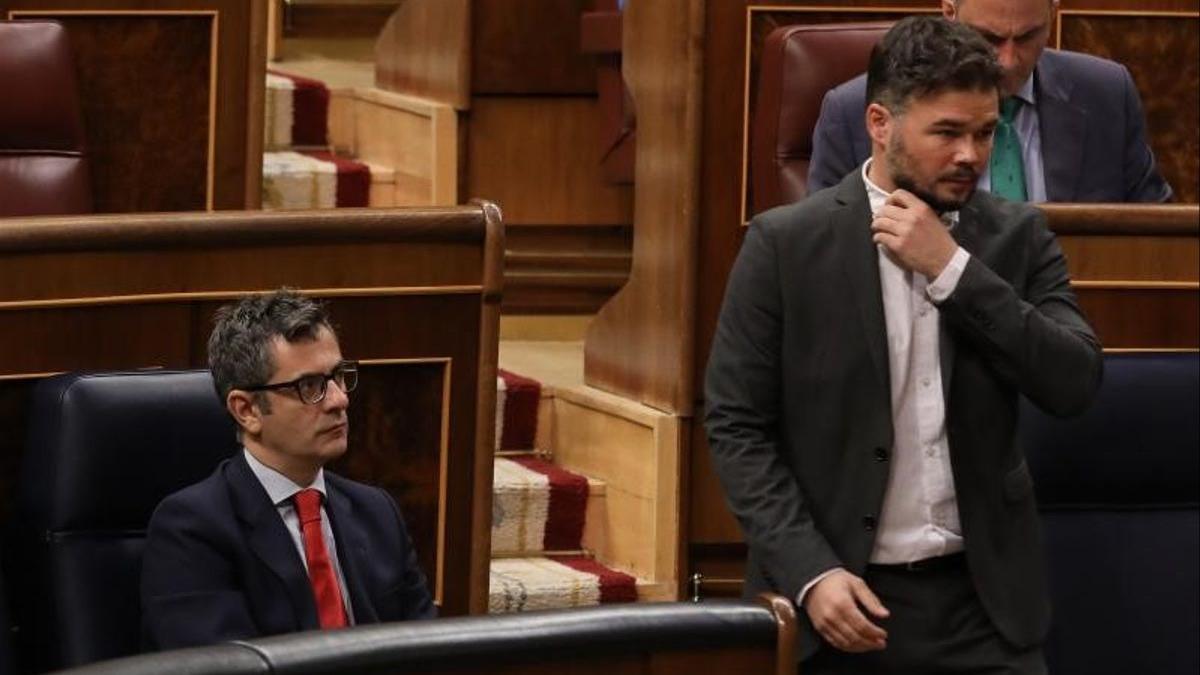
(913, 234)
(835, 606)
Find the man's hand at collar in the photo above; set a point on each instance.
(913, 234)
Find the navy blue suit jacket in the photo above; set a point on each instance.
(1093, 134)
(220, 564)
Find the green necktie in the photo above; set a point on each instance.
(1007, 168)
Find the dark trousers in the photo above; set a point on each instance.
(937, 626)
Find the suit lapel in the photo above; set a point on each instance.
(270, 540)
(852, 225)
(351, 549)
(1063, 128)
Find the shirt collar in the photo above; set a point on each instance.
(1026, 92)
(877, 196)
(279, 487)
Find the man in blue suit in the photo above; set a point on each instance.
(1071, 130)
(271, 542)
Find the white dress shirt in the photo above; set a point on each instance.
(919, 518)
(1029, 132)
(920, 510)
(280, 489)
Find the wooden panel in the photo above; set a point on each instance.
(529, 47)
(1144, 44)
(128, 292)
(538, 158)
(565, 269)
(423, 50)
(641, 343)
(337, 18)
(172, 94)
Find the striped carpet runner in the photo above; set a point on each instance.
(539, 510)
(299, 172)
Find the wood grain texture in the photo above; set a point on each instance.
(424, 50)
(140, 291)
(641, 344)
(1145, 45)
(540, 160)
(529, 47)
(152, 80)
(564, 269)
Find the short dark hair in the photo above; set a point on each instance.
(923, 55)
(239, 348)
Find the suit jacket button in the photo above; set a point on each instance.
(881, 454)
(868, 522)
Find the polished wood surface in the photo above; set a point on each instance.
(564, 269)
(424, 50)
(121, 292)
(172, 97)
(641, 343)
(540, 160)
(529, 47)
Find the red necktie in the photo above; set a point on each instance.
(330, 610)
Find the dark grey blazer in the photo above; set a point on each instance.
(799, 408)
(1093, 133)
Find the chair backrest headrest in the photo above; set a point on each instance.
(43, 170)
(105, 448)
(1136, 447)
(799, 64)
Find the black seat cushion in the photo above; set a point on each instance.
(102, 451)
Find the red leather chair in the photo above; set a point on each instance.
(799, 65)
(43, 168)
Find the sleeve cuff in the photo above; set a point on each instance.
(807, 587)
(940, 288)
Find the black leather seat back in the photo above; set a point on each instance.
(102, 451)
(1118, 489)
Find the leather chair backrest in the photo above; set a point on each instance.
(43, 169)
(102, 452)
(799, 64)
(1119, 489)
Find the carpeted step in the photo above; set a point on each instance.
(313, 180)
(296, 111)
(536, 506)
(517, 399)
(527, 584)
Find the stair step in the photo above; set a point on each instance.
(517, 401)
(313, 180)
(537, 506)
(296, 112)
(527, 584)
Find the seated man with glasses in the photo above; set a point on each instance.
(271, 542)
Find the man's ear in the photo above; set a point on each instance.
(879, 123)
(949, 10)
(245, 410)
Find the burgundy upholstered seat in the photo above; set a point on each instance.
(799, 65)
(43, 168)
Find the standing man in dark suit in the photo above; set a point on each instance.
(271, 542)
(863, 380)
(1071, 126)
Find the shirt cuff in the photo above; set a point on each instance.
(940, 288)
(807, 587)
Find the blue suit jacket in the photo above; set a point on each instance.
(220, 565)
(1093, 134)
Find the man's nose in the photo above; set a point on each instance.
(968, 151)
(335, 396)
(1006, 54)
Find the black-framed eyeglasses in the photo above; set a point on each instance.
(311, 388)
